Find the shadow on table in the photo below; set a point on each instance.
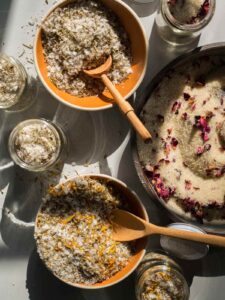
(162, 53)
(4, 11)
(41, 284)
(143, 9)
(21, 205)
(92, 135)
(212, 265)
(25, 189)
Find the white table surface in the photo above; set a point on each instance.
(99, 143)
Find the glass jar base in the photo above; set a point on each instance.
(176, 40)
(28, 98)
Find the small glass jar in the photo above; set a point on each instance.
(17, 90)
(160, 277)
(37, 144)
(176, 32)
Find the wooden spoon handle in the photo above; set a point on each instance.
(188, 235)
(127, 109)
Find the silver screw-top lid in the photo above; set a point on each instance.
(182, 248)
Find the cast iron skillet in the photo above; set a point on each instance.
(209, 50)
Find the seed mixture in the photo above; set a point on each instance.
(160, 278)
(73, 232)
(36, 144)
(189, 11)
(162, 286)
(10, 82)
(81, 35)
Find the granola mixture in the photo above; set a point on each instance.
(10, 82)
(36, 144)
(186, 161)
(81, 35)
(73, 232)
(189, 11)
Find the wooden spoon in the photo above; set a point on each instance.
(128, 227)
(124, 105)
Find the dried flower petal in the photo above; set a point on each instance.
(188, 184)
(201, 123)
(174, 142)
(186, 96)
(176, 106)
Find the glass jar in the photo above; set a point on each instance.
(160, 277)
(37, 144)
(17, 90)
(176, 32)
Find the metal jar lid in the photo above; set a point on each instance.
(182, 248)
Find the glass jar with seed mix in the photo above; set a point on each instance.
(160, 277)
(37, 144)
(17, 89)
(180, 22)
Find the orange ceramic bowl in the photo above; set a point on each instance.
(139, 47)
(137, 208)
